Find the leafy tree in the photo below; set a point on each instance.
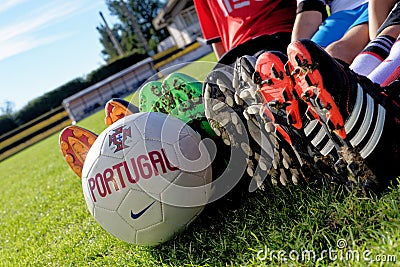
(110, 53)
(7, 124)
(143, 13)
(7, 108)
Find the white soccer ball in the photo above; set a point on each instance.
(146, 178)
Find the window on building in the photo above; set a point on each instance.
(189, 17)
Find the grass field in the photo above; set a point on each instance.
(44, 222)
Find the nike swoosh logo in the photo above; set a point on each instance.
(137, 215)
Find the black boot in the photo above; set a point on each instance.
(363, 116)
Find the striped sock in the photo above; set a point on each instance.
(372, 55)
(389, 69)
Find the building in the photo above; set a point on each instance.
(123, 83)
(180, 19)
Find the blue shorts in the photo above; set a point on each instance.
(337, 24)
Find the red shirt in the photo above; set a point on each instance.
(237, 21)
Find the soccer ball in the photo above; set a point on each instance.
(147, 177)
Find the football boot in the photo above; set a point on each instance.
(232, 101)
(283, 107)
(116, 109)
(75, 142)
(361, 116)
(179, 95)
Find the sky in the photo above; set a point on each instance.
(47, 43)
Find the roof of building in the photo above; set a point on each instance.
(170, 10)
(108, 80)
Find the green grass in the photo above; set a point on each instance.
(44, 222)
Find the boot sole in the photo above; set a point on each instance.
(267, 154)
(116, 109)
(75, 143)
(312, 90)
(178, 95)
(277, 91)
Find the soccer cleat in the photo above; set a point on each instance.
(235, 108)
(117, 109)
(150, 96)
(279, 92)
(363, 116)
(75, 143)
(276, 87)
(307, 74)
(179, 95)
(292, 119)
(286, 162)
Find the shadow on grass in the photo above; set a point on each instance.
(233, 231)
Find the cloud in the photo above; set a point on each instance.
(36, 22)
(25, 34)
(17, 46)
(7, 4)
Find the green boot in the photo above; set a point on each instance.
(179, 95)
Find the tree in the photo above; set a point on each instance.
(141, 12)
(7, 108)
(7, 124)
(110, 52)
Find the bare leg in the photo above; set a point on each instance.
(351, 44)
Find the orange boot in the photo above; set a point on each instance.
(75, 143)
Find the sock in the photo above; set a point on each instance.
(389, 69)
(372, 55)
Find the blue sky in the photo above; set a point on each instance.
(46, 43)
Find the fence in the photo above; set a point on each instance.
(33, 131)
(90, 100)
